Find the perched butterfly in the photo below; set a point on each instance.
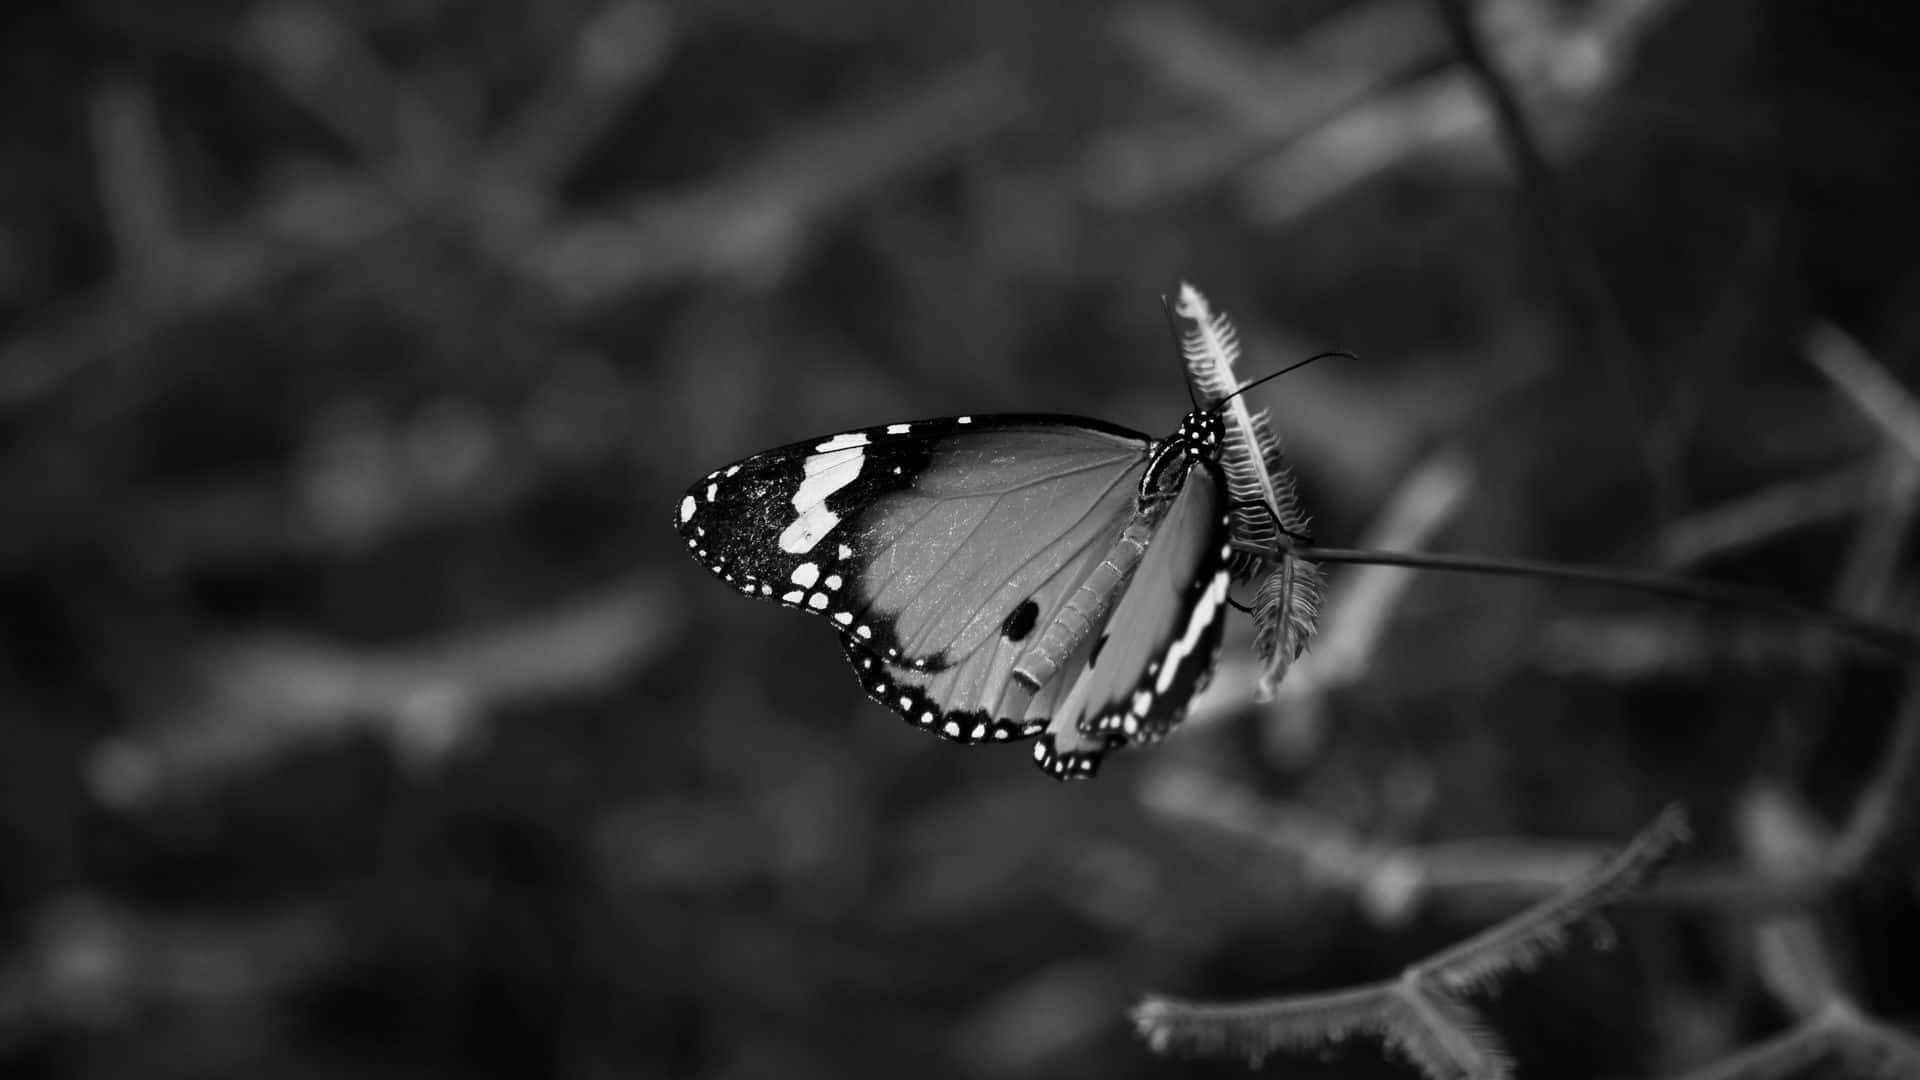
(996, 578)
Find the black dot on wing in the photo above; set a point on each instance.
(1019, 622)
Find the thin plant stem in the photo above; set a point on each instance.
(1887, 639)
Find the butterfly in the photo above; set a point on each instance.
(995, 578)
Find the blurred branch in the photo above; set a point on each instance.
(1783, 838)
(325, 66)
(1877, 394)
(749, 223)
(1837, 1036)
(1881, 828)
(1035, 1022)
(1312, 118)
(1422, 1013)
(1594, 333)
(424, 157)
(1270, 96)
(91, 963)
(1754, 519)
(307, 222)
(1393, 882)
(1639, 645)
(268, 695)
(133, 174)
(1863, 585)
(507, 194)
(414, 160)
(1796, 963)
(616, 53)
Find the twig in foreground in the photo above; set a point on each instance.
(1420, 1013)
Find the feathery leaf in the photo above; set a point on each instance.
(1288, 606)
(1255, 1029)
(1286, 612)
(1443, 1036)
(1256, 470)
(1522, 941)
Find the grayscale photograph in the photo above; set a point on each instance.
(851, 540)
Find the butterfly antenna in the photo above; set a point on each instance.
(1282, 371)
(1179, 343)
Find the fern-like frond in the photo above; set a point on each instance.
(1443, 1036)
(1522, 941)
(1256, 470)
(1266, 504)
(1255, 1029)
(1286, 611)
(1421, 1014)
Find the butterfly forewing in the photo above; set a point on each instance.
(918, 540)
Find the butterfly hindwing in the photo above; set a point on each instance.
(1158, 645)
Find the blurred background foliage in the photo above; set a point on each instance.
(359, 716)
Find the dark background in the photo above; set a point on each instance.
(359, 715)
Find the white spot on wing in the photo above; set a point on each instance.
(842, 442)
(864, 632)
(793, 597)
(846, 552)
(818, 601)
(826, 472)
(899, 429)
(687, 507)
(964, 420)
(833, 581)
(805, 575)
(843, 617)
(712, 489)
(1203, 616)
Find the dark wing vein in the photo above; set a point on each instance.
(1037, 555)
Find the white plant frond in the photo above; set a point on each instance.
(1255, 1029)
(1286, 611)
(1444, 1037)
(1255, 467)
(1287, 608)
(1521, 942)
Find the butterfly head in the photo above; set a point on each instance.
(1201, 438)
(1201, 435)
